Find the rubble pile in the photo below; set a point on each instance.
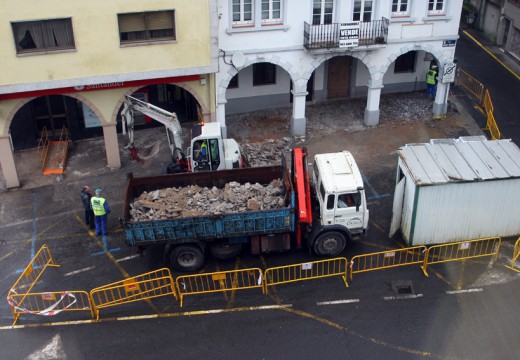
(193, 200)
(266, 152)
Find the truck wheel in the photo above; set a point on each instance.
(186, 258)
(225, 251)
(329, 244)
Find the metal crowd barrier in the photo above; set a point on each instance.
(491, 124)
(470, 83)
(461, 250)
(516, 254)
(387, 259)
(49, 303)
(306, 271)
(219, 282)
(142, 287)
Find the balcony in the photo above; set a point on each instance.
(327, 36)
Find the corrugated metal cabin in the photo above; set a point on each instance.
(452, 190)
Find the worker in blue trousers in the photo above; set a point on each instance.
(101, 210)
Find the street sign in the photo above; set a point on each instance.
(448, 73)
(449, 43)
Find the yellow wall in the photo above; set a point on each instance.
(96, 36)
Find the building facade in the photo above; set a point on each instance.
(275, 53)
(69, 66)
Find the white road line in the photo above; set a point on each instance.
(79, 271)
(346, 301)
(464, 291)
(128, 258)
(411, 296)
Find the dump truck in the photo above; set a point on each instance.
(321, 212)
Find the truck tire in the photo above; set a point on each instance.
(186, 258)
(224, 251)
(330, 243)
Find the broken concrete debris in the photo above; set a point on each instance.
(193, 200)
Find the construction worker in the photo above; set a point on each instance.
(101, 210)
(431, 82)
(203, 155)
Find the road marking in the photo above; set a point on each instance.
(451, 292)
(346, 301)
(128, 258)
(79, 271)
(52, 350)
(403, 297)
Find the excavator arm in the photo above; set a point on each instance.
(168, 119)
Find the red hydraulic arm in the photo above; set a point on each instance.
(303, 190)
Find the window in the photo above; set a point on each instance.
(405, 63)
(349, 200)
(400, 8)
(233, 83)
(436, 7)
(242, 12)
(322, 11)
(271, 11)
(264, 74)
(362, 10)
(43, 35)
(146, 26)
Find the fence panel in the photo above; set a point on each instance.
(516, 254)
(306, 271)
(219, 282)
(142, 287)
(387, 259)
(461, 250)
(49, 303)
(470, 83)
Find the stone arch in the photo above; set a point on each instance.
(24, 101)
(362, 56)
(250, 60)
(393, 56)
(187, 87)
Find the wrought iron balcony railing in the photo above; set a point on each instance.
(328, 36)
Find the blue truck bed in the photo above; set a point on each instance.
(213, 227)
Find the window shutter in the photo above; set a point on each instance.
(160, 20)
(131, 23)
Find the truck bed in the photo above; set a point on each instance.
(208, 228)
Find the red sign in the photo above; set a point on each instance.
(97, 87)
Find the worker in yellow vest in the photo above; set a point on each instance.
(431, 82)
(101, 209)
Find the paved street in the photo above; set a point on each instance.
(463, 310)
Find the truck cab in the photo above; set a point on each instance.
(209, 151)
(338, 188)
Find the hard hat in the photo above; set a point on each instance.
(98, 191)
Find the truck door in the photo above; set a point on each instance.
(349, 211)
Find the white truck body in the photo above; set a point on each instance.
(452, 190)
(338, 186)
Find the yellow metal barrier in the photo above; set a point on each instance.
(461, 250)
(142, 287)
(33, 271)
(219, 282)
(516, 254)
(491, 124)
(387, 259)
(49, 303)
(306, 271)
(470, 83)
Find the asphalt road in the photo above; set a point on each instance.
(463, 310)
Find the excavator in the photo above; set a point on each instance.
(208, 150)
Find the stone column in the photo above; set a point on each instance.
(373, 98)
(111, 145)
(7, 162)
(221, 116)
(440, 105)
(298, 120)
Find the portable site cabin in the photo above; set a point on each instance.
(451, 190)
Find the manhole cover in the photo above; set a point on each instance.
(402, 287)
